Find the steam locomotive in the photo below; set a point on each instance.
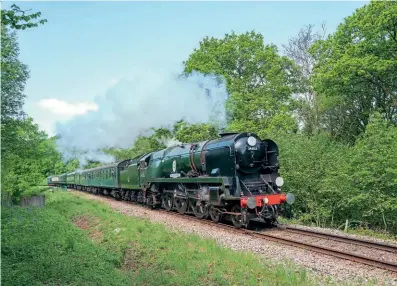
(234, 177)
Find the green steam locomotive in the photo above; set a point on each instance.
(234, 177)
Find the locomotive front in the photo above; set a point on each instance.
(259, 183)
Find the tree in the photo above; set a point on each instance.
(356, 69)
(24, 163)
(259, 81)
(308, 101)
(305, 162)
(373, 172)
(188, 133)
(13, 76)
(21, 140)
(19, 20)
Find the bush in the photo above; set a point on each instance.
(334, 182)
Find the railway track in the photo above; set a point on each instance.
(350, 240)
(371, 261)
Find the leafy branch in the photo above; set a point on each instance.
(18, 19)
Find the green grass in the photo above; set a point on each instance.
(76, 241)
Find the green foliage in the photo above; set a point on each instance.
(26, 157)
(356, 69)
(91, 164)
(334, 182)
(26, 153)
(373, 180)
(72, 165)
(304, 163)
(261, 113)
(18, 19)
(187, 133)
(13, 77)
(260, 82)
(36, 190)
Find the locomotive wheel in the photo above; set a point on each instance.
(180, 205)
(215, 214)
(168, 202)
(134, 196)
(200, 209)
(237, 220)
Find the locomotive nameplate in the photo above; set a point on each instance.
(175, 175)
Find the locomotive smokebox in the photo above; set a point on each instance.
(250, 153)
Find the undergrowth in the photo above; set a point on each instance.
(35, 191)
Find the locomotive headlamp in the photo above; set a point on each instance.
(290, 198)
(251, 141)
(265, 201)
(251, 203)
(279, 182)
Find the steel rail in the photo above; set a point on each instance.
(351, 240)
(391, 266)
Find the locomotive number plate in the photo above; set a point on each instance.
(253, 148)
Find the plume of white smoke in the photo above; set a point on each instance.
(169, 142)
(149, 99)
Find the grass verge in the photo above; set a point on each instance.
(76, 241)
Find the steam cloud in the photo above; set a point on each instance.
(132, 106)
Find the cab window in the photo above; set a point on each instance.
(144, 162)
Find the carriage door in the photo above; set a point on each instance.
(143, 169)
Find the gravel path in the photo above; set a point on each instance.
(320, 265)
